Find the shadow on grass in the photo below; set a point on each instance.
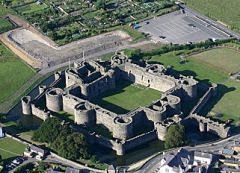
(111, 107)
(101, 130)
(221, 91)
(64, 116)
(24, 124)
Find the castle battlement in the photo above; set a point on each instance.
(89, 79)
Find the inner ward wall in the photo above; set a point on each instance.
(138, 75)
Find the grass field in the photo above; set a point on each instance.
(212, 66)
(4, 11)
(136, 35)
(127, 97)
(13, 73)
(224, 59)
(10, 148)
(5, 25)
(226, 11)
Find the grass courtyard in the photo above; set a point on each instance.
(10, 148)
(13, 73)
(127, 97)
(226, 11)
(212, 66)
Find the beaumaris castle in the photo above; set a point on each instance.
(74, 90)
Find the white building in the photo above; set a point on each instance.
(1, 132)
(176, 163)
(185, 161)
(202, 158)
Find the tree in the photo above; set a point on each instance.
(72, 146)
(100, 4)
(175, 136)
(48, 131)
(62, 139)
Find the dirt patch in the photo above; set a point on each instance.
(31, 47)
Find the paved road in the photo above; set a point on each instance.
(93, 56)
(50, 159)
(213, 147)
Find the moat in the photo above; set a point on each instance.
(123, 107)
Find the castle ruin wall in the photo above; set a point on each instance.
(139, 75)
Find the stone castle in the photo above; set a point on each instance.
(74, 90)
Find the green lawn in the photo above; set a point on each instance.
(5, 25)
(127, 97)
(10, 148)
(13, 73)
(191, 68)
(225, 59)
(31, 8)
(135, 34)
(4, 11)
(212, 66)
(226, 11)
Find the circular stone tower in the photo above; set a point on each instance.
(174, 102)
(160, 113)
(123, 128)
(54, 100)
(84, 116)
(161, 131)
(26, 105)
(189, 86)
(42, 88)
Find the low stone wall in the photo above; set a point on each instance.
(17, 139)
(201, 103)
(77, 165)
(65, 161)
(21, 53)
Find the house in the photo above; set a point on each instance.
(187, 161)
(229, 170)
(233, 163)
(1, 132)
(111, 169)
(39, 151)
(236, 146)
(72, 170)
(228, 153)
(35, 151)
(201, 158)
(176, 163)
(51, 170)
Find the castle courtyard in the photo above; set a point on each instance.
(127, 96)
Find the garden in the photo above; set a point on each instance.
(67, 21)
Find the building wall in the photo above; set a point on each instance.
(42, 114)
(138, 75)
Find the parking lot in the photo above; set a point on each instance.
(180, 28)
